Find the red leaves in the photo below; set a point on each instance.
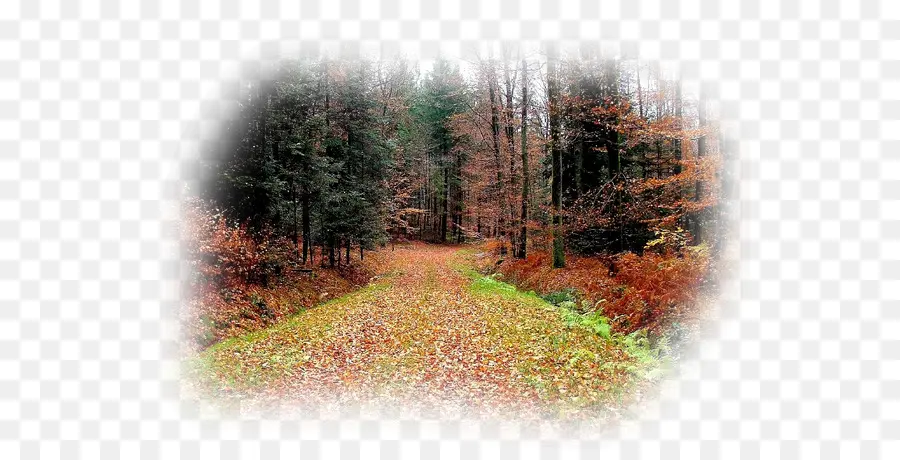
(660, 288)
(649, 291)
(238, 283)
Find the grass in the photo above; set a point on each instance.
(649, 362)
(595, 370)
(428, 329)
(234, 365)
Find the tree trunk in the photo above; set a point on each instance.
(307, 250)
(643, 147)
(444, 202)
(331, 260)
(611, 134)
(523, 232)
(300, 252)
(559, 256)
(495, 136)
(701, 151)
(511, 146)
(658, 160)
(680, 122)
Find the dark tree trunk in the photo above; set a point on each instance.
(300, 252)
(511, 146)
(658, 160)
(612, 149)
(523, 232)
(678, 152)
(495, 136)
(610, 134)
(331, 259)
(559, 256)
(444, 203)
(307, 237)
(643, 147)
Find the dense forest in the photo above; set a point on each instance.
(585, 154)
(541, 231)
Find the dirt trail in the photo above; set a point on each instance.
(431, 336)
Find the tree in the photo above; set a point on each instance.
(559, 256)
(442, 96)
(308, 158)
(701, 152)
(523, 232)
(338, 154)
(495, 139)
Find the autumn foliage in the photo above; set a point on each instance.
(240, 281)
(652, 290)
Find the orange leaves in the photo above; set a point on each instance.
(426, 340)
(237, 283)
(660, 288)
(219, 251)
(650, 290)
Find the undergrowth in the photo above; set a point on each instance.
(653, 291)
(238, 281)
(650, 360)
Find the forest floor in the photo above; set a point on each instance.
(434, 336)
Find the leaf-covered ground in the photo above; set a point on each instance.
(433, 336)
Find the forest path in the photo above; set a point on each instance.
(430, 335)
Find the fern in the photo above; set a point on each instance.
(594, 322)
(558, 297)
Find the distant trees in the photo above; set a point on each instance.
(441, 97)
(583, 153)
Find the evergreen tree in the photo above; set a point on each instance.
(442, 96)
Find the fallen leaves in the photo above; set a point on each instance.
(423, 339)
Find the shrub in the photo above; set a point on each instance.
(658, 288)
(648, 291)
(237, 282)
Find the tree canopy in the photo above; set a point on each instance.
(580, 153)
